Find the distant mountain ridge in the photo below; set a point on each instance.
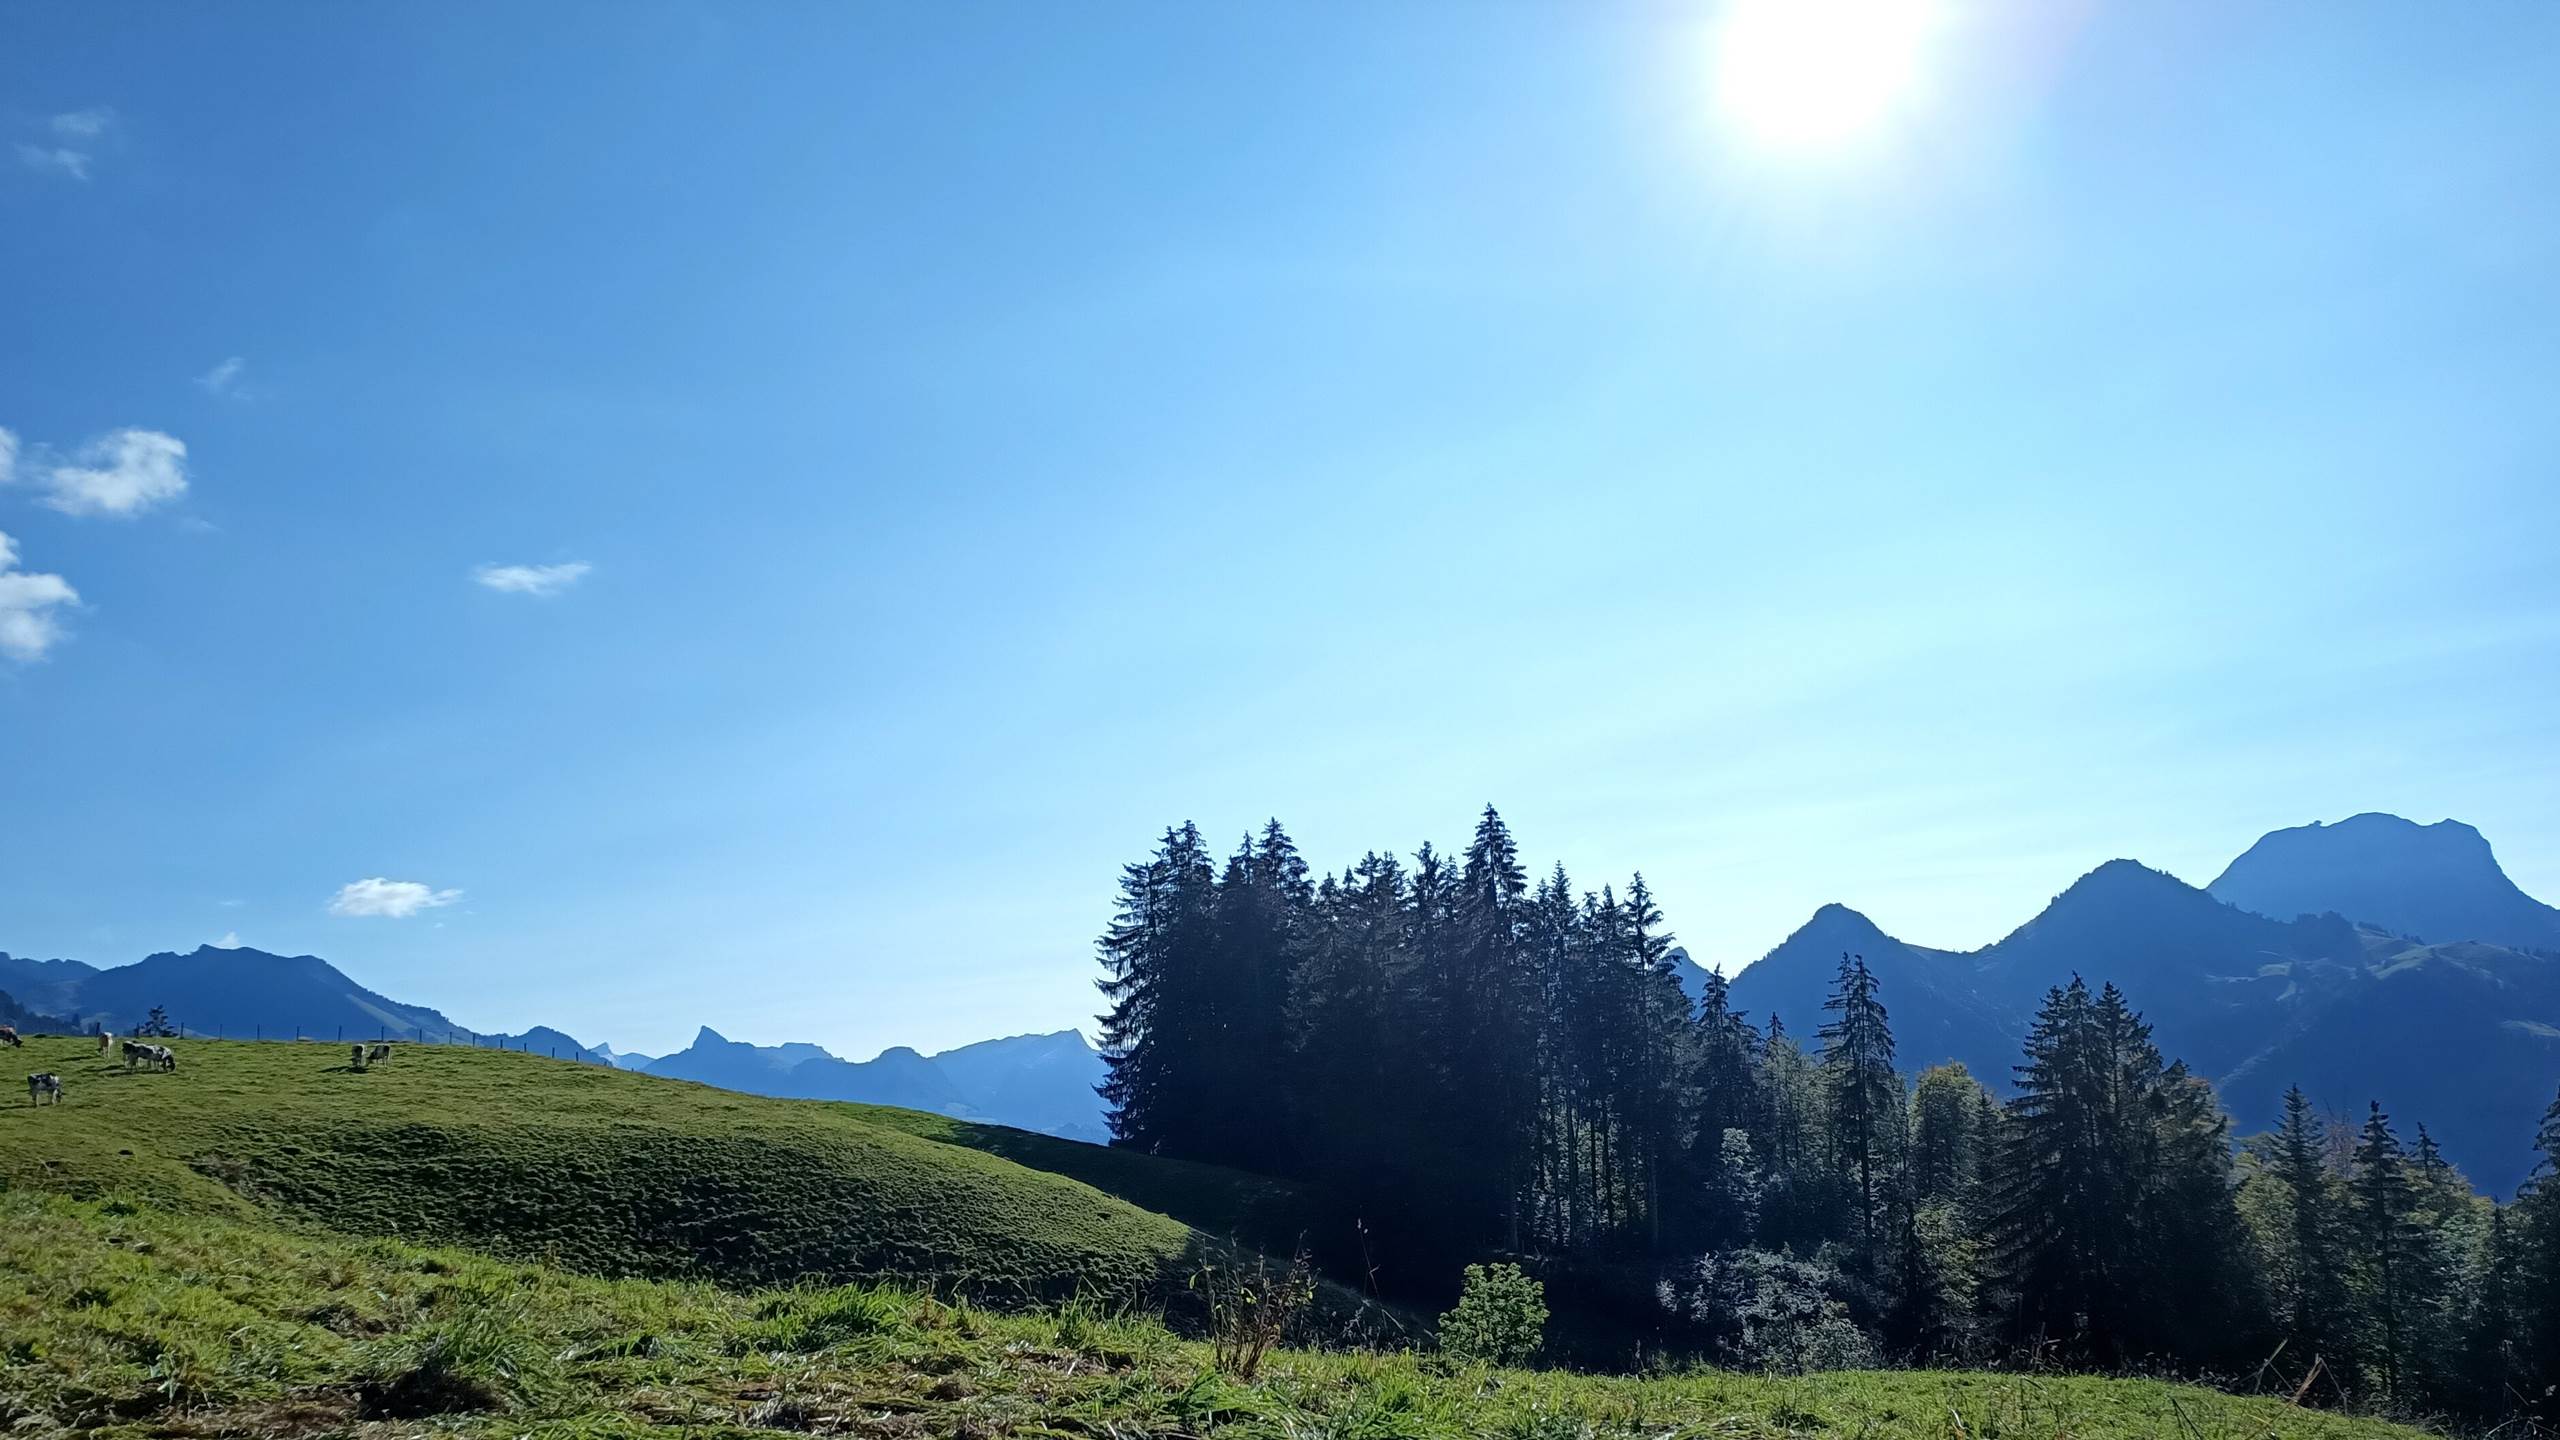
(1031, 1082)
(2463, 1034)
(241, 993)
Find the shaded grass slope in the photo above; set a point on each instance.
(125, 1320)
(603, 1171)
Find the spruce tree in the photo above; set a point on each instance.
(1726, 1100)
(1660, 1059)
(2386, 1238)
(2498, 1367)
(1159, 1035)
(2317, 1312)
(1496, 1064)
(2537, 1243)
(1864, 1093)
(1344, 1038)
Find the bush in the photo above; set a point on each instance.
(1253, 1306)
(1765, 1311)
(1500, 1319)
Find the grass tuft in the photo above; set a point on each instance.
(479, 1349)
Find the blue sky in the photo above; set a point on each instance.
(993, 433)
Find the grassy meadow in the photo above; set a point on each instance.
(473, 1243)
(607, 1172)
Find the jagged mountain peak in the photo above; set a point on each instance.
(1837, 925)
(2127, 878)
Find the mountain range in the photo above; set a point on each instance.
(2372, 959)
(1031, 1082)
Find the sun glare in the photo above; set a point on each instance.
(1821, 76)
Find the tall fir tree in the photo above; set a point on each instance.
(2537, 1213)
(1160, 1033)
(2317, 1312)
(1865, 1098)
(2387, 1239)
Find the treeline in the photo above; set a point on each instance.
(1482, 1064)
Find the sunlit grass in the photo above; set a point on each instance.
(123, 1320)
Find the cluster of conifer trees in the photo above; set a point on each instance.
(1481, 1065)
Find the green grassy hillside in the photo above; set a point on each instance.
(125, 1320)
(607, 1172)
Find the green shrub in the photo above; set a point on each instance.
(1254, 1305)
(1770, 1312)
(1500, 1319)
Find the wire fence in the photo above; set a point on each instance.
(361, 1035)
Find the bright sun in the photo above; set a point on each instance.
(1821, 76)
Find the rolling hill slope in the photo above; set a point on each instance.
(615, 1173)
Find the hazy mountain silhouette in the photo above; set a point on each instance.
(2437, 882)
(2464, 1036)
(243, 993)
(1034, 1082)
(805, 1072)
(26, 1020)
(43, 985)
(1031, 1082)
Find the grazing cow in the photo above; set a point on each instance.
(135, 1053)
(44, 1085)
(165, 1058)
(106, 1041)
(377, 1054)
(9, 1036)
(355, 1057)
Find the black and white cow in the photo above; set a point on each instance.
(48, 1085)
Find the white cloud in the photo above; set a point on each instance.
(230, 941)
(531, 579)
(84, 124)
(124, 472)
(8, 454)
(76, 134)
(223, 379)
(389, 899)
(28, 625)
(74, 163)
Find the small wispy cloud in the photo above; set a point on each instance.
(75, 136)
(531, 579)
(122, 473)
(8, 455)
(83, 124)
(388, 899)
(60, 158)
(29, 623)
(230, 941)
(224, 379)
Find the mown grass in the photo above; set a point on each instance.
(125, 1320)
(598, 1170)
